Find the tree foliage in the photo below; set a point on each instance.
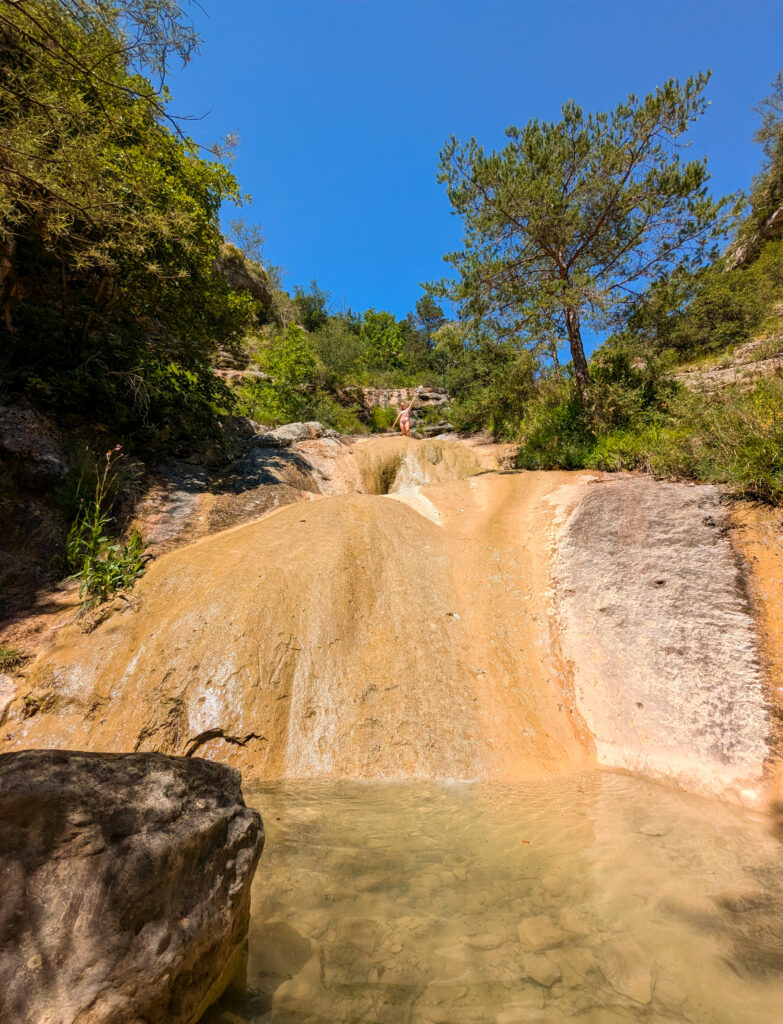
(765, 219)
(382, 338)
(109, 233)
(429, 316)
(566, 224)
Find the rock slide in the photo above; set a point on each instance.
(432, 617)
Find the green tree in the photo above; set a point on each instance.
(565, 224)
(430, 316)
(382, 338)
(312, 306)
(113, 300)
(765, 220)
(291, 371)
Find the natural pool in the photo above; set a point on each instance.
(596, 899)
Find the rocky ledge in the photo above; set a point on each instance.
(426, 397)
(126, 885)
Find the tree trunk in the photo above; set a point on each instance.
(577, 352)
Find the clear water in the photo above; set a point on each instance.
(598, 899)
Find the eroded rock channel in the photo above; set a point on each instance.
(471, 624)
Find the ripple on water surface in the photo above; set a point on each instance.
(598, 899)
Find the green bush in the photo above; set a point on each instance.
(382, 419)
(554, 431)
(710, 312)
(490, 384)
(102, 564)
(734, 437)
(11, 658)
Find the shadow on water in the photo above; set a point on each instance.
(597, 899)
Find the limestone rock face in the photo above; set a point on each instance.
(34, 446)
(657, 626)
(427, 398)
(126, 885)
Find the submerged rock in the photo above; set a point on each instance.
(126, 885)
(539, 933)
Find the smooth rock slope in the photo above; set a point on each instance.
(448, 621)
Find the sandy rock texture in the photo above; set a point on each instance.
(757, 535)
(416, 611)
(126, 885)
(657, 626)
(356, 636)
(296, 462)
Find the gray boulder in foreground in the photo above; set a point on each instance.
(125, 884)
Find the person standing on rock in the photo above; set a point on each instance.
(404, 416)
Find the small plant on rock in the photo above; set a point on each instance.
(11, 658)
(102, 564)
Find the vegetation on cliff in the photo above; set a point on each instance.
(593, 220)
(120, 294)
(113, 303)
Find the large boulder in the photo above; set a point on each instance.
(293, 433)
(126, 886)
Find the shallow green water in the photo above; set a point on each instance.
(598, 899)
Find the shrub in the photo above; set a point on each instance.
(709, 312)
(381, 419)
(554, 431)
(11, 658)
(734, 437)
(101, 564)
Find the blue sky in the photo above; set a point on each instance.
(342, 107)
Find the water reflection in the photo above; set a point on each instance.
(597, 899)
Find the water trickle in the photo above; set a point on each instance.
(597, 899)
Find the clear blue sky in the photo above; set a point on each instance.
(342, 107)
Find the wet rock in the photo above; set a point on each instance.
(305, 988)
(575, 922)
(126, 885)
(669, 992)
(539, 933)
(486, 942)
(541, 969)
(627, 968)
(579, 968)
(525, 1003)
(280, 953)
(554, 883)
